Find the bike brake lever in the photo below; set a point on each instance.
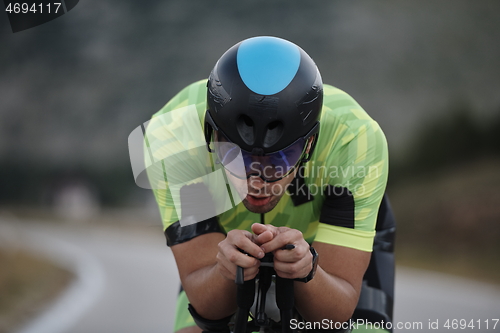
(240, 279)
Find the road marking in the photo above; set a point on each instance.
(82, 292)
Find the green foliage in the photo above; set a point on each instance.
(24, 183)
(448, 140)
(445, 196)
(448, 219)
(74, 88)
(453, 139)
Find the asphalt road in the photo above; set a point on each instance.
(126, 282)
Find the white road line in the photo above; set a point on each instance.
(421, 296)
(83, 291)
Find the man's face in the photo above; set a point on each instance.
(260, 196)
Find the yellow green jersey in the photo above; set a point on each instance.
(334, 199)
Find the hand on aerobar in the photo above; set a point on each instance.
(242, 248)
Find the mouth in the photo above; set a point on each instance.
(258, 201)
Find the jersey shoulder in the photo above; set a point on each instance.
(194, 94)
(343, 121)
(351, 156)
(343, 108)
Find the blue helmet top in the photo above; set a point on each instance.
(264, 93)
(267, 64)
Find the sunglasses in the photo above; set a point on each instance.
(270, 167)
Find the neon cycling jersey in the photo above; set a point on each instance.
(335, 200)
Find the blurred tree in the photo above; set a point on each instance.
(453, 138)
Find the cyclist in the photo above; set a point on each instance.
(314, 167)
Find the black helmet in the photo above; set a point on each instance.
(263, 94)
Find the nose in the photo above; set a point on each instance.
(255, 183)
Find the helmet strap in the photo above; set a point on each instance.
(209, 129)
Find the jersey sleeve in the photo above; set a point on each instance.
(180, 170)
(355, 175)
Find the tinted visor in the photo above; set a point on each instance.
(270, 167)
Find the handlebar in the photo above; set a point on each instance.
(246, 295)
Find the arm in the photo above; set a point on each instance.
(338, 276)
(207, 268)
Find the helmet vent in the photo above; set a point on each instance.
(274, 132)
(246, 129)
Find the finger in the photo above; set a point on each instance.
(250, 273)
(231, 255)
(299, 269)
(259, 228)
(264, 237)
(289, 236)
(292, 255)
(228, 269)
(242, 239)
(266, 232)
(263, 233)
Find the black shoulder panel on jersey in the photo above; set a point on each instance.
(338, 208)
(299, 192)
(177, 234)
(196, 204)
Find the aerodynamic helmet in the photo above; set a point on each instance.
(265, 95)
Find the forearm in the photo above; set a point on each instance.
(212, 295)
(325, 297)
(208, 275)
(334, 291)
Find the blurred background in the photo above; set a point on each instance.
(73, 89)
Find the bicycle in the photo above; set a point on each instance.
(375, 303)
(246, 297)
